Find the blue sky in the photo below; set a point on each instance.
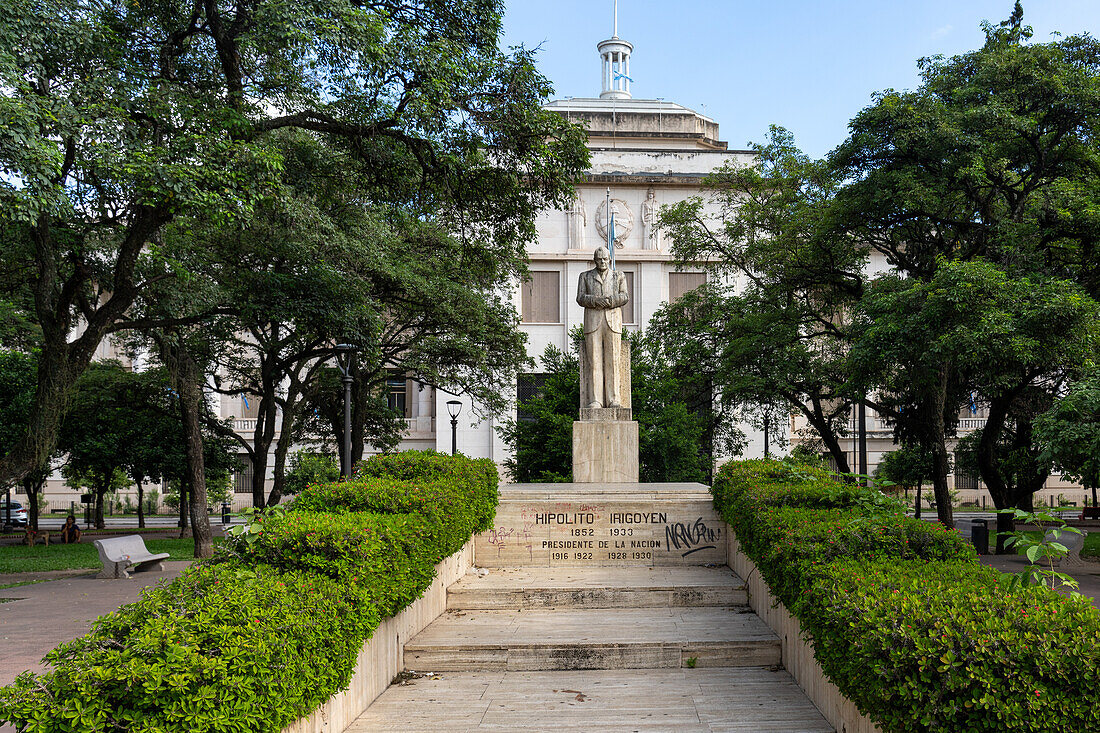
(808, 66)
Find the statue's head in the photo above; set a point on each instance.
(602, 259)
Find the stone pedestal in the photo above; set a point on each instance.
(605, 446)
(603, 524)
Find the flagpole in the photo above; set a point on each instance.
(610, 228)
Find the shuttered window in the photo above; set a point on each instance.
(242, 479)
(628, 309)
(683, 282)
(542, 298)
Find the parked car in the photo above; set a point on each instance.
(18, 514)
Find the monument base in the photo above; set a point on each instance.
(602, 525)
(605, 449)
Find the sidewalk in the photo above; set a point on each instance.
(1088, 575)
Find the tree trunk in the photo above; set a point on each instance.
(819, 422)
(189, 386)
(261, 444)
(141, 503)
(100, 492)
(282, 448)
(61, 361)
(184, 525)
(916, 504)
(31, 487)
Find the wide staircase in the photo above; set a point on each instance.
(597, 607)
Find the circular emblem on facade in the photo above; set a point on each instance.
(624, 220)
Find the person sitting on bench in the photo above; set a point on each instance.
(70, 532)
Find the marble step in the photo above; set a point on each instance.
(745, 700)
(603, 525)
(600, 587)
(614, 638)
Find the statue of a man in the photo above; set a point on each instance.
(602, 291)
(650, 234)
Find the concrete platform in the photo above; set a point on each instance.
(597, 587)
(618, 638)
(683, 700)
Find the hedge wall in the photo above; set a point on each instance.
(903, 618)
(270, 628)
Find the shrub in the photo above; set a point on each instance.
(903, 618)
(271, 628)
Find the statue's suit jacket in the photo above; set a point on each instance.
(592, 287)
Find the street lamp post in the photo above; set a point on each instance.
(345, 359)
(454, 407)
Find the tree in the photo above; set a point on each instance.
(95, 438)
(993, 158)
(780, 334)
(908, 466)
(925, 345)
(1069, 432)
(122, 118)
(17, 383)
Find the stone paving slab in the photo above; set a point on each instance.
(684, 700)
(619, 638)
(597, 587)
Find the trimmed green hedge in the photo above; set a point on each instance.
(903, 618)
(270, 628)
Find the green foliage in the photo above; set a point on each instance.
(777, 338)
(542, 442)
(307, 468)
(903, 618)
(272, 627)
(1037, 548)
(908, 466)
(1070, 432)
(18, 379)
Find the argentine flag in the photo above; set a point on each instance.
(611, 239)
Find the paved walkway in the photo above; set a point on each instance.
(50, 613)
(1087, 574)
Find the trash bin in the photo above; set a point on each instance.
(225, 512)
(979, 536)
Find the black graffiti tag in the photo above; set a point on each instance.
(690, 537)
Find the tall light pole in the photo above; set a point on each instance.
(454, 407)
(345, 359)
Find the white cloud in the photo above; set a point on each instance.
(942, 31)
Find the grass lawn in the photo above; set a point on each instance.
(23, 559)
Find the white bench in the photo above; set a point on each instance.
(1074, 543)
(121, 555)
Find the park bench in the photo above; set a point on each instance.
(121, 555)
(1074, 543)
(1091, 512)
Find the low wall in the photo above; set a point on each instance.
(798, 653)
(382, 656)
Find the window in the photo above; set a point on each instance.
(541, 298)
(249, 407)
(628, 309)
(528, 386)
(964, 479)
(683, 282)
(242, 479)
(397, 395)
